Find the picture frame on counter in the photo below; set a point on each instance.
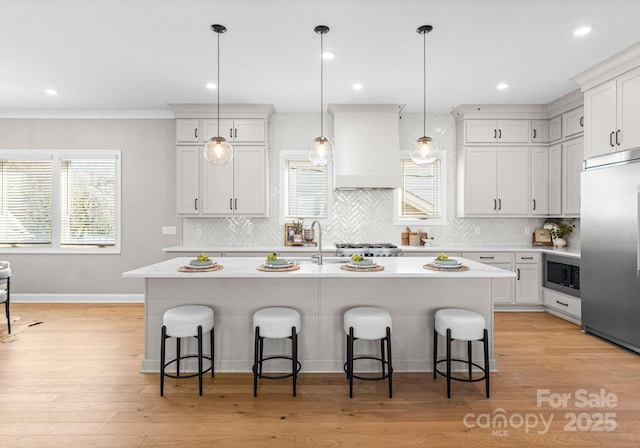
(288, 234)
(541, 237)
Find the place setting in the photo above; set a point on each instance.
(274, 264)
(358, 263)
(443, 263)
(201, 264)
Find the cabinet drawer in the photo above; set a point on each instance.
(527, 257)
(561, 302)
(489, 257)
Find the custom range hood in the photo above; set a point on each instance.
(367, 145)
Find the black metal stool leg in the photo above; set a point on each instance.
(213, 350)
(294, 358)
(255, 361)
(448, 363)
(435, 352)
(382, 356)
(7, 305)
(199, 338)
(350, 361)
(486, 359)
(390, 362)
(469, 357)
(178, 356)
(162, 358)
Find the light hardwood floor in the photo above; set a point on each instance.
(74, 381)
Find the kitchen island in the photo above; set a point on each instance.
(321, 294)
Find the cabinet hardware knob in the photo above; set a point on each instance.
(561, 303)
(618, 137)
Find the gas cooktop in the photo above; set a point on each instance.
(367, 249)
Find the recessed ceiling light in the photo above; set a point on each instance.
(357, 86)
(327, 55)
(52, 92)
(502, 86)
(211, 86)
(583, 30)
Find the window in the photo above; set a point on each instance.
(421, 200)
(60, 200)
(305, 188)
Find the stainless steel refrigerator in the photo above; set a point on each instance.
(610, 248)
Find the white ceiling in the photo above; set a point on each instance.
(140, 55)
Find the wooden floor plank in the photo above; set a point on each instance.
(74, 381)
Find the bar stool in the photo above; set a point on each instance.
(464, 325)
(182, 322)
(5, 290)
(370, 323)
(275, 323)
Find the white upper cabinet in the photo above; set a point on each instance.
(245, 130)
(188, 180)
(497, 131)
(493, 181)
(612, 111)
(187, 131)
(555, 128)
(539, 131)
(555, 179)
(573, 122)
(539, 181)
(572, 157)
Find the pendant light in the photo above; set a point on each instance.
(321, 148)
(218, 151)
(424, 150)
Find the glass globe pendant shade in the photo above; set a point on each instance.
(425, 151)
(321, 151)
(218, 151)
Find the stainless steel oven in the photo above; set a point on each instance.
(562, 274)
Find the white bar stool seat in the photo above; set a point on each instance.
(275, 323)
(369, 323)
(463, 325)
(182, 322)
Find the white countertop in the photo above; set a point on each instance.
(245, 267)
(568, 252)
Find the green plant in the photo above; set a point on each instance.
(561, 229)
(297, 227)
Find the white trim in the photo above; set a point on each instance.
(76, 298)
(90, 114)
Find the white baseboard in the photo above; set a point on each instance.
(77, 298)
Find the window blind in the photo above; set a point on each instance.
(88, 202)
(26, 202)
(306, 190)
(421, 190)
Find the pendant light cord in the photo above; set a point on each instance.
(218, 84)
(321, 84)
(424, 84)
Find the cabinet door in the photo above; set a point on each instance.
(555, 128)
(481, 171)
(250, 181)
(573, 122)
(528, 283)
(187, 184)
(513, 181)
(481, 131)
(250, 131)
(513, 131)
(187, 130)
(555, 180)
(217, 188)
(628, 111)
(600, 119)
(539, 131)
(539, 204)
(210, 129)
(572, 153)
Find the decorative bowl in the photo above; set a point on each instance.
(201, 263)
(365, 262)
(276, 262)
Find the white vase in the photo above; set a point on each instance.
(560, 242)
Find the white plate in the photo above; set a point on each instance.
(362, 266)
(447, 266)
(190, 266)
(278, 266)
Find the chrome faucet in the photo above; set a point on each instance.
(319, 254)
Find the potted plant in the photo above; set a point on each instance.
(297, 231)
(559, 231)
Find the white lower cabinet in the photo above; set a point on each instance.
(528, 278)
(562, 305)
(503, 288)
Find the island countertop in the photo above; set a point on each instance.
(246, 267)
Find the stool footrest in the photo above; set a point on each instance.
(465, 380)
(190, 375)
(389, 369)
(255, 369)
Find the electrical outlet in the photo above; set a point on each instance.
(477, 230)
(168, 230)
(198, 231)
(527, 230)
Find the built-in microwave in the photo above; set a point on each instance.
(562, 274)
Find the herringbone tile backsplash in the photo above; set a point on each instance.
(360, 215)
